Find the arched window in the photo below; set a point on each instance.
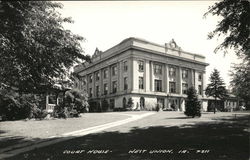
(124, 102)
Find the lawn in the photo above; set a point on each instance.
(165, 135)
(13, 132)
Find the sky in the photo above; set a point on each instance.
(106, 23)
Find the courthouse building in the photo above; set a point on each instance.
(149, 73)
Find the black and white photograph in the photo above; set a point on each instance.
(125, 80)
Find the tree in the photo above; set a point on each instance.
(76, 100)
(216, 88)
(192, 105)
(35, 47)
(241, 82)
(235, 25)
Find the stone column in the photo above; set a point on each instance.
(101, 82)
(151, 76)
(167, 78)
(180, 80)
(93, 86)
(147, 76)
(120, 77)
(132, 74)
(203, 84)
(109, 80)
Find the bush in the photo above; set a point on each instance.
(75, 102)
(192, 105)
(14, 106)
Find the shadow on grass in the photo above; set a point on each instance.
(180, 118)
(222, 139)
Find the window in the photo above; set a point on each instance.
(157, 69)
(185, 73)
(172, 71)
(172, 87)
(114, 70)
(114, 86)
(199, 77)
(105, 73)
(52, 99)
(140, 82)
(90, 78)
(90, 92)
(184, 88)
(199, 90)
(97, 76)
(125, 66)
(158, 85)
(105, 88)
(125, 83)
(141, 66)
(97, 91)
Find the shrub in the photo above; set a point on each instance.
(192, 105)
(76, 101)
(14, 106)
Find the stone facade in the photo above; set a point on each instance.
(149, 73)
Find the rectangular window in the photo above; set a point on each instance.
(114, 70)
(90, 92)
(158, 85)
(90, 78)
(105, 88)
(157, 69)
(97, 76)
(141, 66)
(125, 83)
(97, 91)
(184, 88)
(199, 77)
(172, 87)
(199, 90)
(52, 99)
(141, 82)
(184, 73)
(105, 73)
(172, 71)
(125, 66)
(114, 86)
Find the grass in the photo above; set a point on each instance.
(13, 132)
(222, 135)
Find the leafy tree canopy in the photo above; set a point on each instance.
(241, 81)
(235, 25)
(35, 47)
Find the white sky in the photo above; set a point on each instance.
(106, 23)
